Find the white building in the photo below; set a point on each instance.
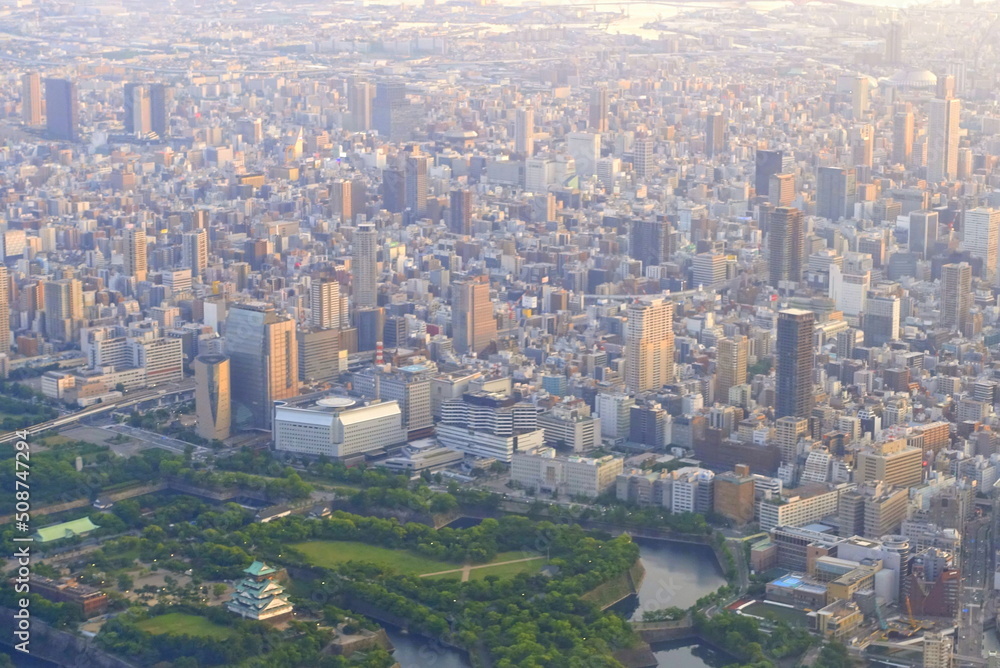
(486, 424)
(570, 425)
(615, 413)
(336, 428)
(545, 471)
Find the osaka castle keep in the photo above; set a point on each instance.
(258, 596)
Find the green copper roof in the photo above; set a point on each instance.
(259, 568)
(65, 530)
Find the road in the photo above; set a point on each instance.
(976, 595)
(159, 440)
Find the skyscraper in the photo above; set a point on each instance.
(642, 156)
(393, 190)
(730, 365)
(902, 138)
(4, 310)
(781, 190)
(880, 319)
(212, 396)
(134, 252)
(649, 241)
(524, 132)
(31, 99)
(138, 109)
(786, 245)
(923, 232)
(264, 360)
(766, 165)
(599, 109)
(585, 147)
(715, 134)
(863, 144)
(158, 98)
(417, 166)
(324, 304)
(894, 44)
(942, 138)
(342, 200)
(63, 309)
(390, 113)
(836, 190)
(460, 211)
(794, 391)
(473, 322)
(980, 237)
(649, 344)
(365, 260)
(359, 105)
(62, 109)
(956, 295)
(194, 251)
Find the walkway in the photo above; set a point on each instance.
(466, 570)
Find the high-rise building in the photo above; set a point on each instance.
(473, 322)
(649, 241)
(923, 232)
(365, 261)
(159, 95)
(942, 139)
(390, 111)
(715, 134)
(730, 365)
(319, 354)
(857, 88)
(138, 109)
(31, 99)
(409, 386)
(863, 145)
(324, 304)
(63, 309)
(836, 190)
(980, 237)
(766, 165)
(894, 44)
(938, 650)
(642, 156)
(585, 147)
(417, 167)
(264, 360)
(212, 396)
(880, 320)
(902, 138)
(788, 431)
(599, 109)
(786, 245)
(359, 105)
(134, 253)
(342, 200)
(4, 310)
(781, 190)
(649, 344)
(708, 269)
(62, 109)
(614, 411)
(393, 190)
(734, 494)
(194, 252)
(892, 462)
(524, 132)
(460, 211)
(956, 295)
(794, 391)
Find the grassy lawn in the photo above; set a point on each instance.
(52, 441)
(508, 570)
(329, 553)
(178, 623)
(789, 615)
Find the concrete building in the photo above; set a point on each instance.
(569, 425)
(545, 471)
(212, 396)
(338, 428)
(649, 344)
(485, 424)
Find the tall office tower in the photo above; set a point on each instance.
(902, 138)
(393, 190)
(159, 95)
(766, 165)
(599, 109)
(4, 310)
(649, 344)
(894, 44)
(31, 99)
(524, 132)
(836, 190)
(365, 260)
(417, 167)
(212, 396)
(63, 309)
(359, 105)
(342, 200)
(264, 362)
(786, 245)
(730, 365)
(715, 134)
(389, 111)
(370, 325)
(134, 252)
(943, 115)
(473, 322)
(62, 109)
(794, 391)
(251, 129)
(956, 295)
(649, 241)
(938, 650)
(460, 211)
(194, 252)
(585, 147)
(138, 109)
(642, 156)
(615, 410)
(324, 304)
(781, 190)
(863, 144)
(980, 237)
(880, 319)
(923, 232)
(319, 354)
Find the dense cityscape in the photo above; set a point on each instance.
(467, 333)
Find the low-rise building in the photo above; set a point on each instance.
(546, 471)
(336, 427)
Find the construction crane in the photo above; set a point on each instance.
(881, 620)
(909, 611)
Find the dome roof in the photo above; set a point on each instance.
(913, 78)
